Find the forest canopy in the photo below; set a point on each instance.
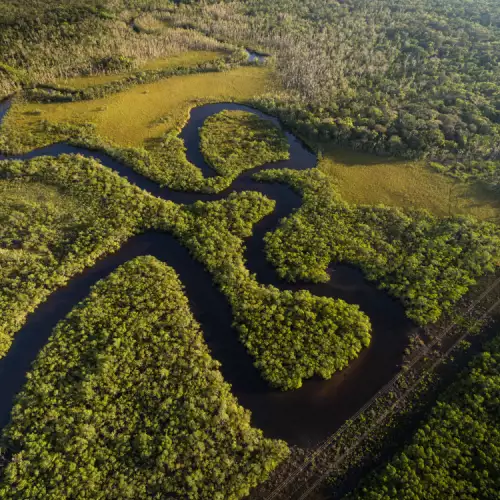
(456, 451)
(235, 141)
(427, 262)
(127, 415)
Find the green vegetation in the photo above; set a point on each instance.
(234, 141)
(418, 79)
(57, 216)
(166, 68)
(415, 78)
(455, 453)
(138, 409)
(368, 179)
(292, 336)
(428, 263)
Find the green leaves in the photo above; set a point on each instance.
(234, 141)
(428, 263)
(138, 409)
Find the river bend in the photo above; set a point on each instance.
(301, 417)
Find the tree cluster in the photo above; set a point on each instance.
(138, 408)
(292, 336)
(427, 262)
(455, 453)
(235, 141)
(57, 217)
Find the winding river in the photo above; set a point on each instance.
(302, 417)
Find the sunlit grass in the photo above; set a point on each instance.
(185, 59)
(370, 179)
(145, 112)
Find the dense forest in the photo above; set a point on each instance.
(456, 451)
(57, 216)
(126, 401)
(292, 335)
(413, 78)
(234, 141)
(126, 414)
(427, 262)
(65, 38)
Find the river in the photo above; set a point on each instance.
(302, 417)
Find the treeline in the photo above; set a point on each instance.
(138, 408)
(456, 451)
(412, 78)
(235, 141)
(427, 262)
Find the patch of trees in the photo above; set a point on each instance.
(292, 336)
(138, 408)
(427, 262)
(58, 216)
(235, 141)
(455, 453)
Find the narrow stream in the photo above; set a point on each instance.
(302, 417)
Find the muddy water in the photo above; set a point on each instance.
(302, 417)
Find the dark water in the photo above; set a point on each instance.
(256, 56)
(301, 417)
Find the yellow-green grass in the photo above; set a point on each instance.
(186, 59)
(145, 112)
(369, 179)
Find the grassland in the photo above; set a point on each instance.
(145, 112)
(186, 59)
(364, 178)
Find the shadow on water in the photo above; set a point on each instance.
(302, 417)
